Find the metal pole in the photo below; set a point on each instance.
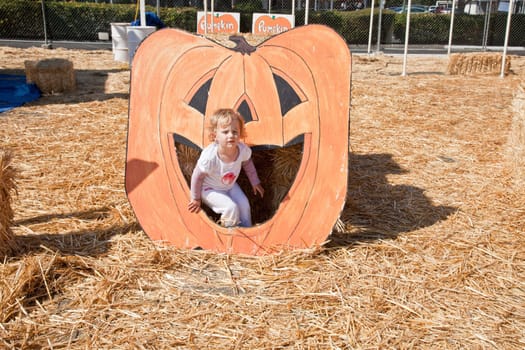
(306, 9)
(507, 32)
(46, 44)
(370, 29)
(381, 5)
(451, 26)
(407, 32)
(142, 13)
(205, 17)
(212, 16)
(486, 26)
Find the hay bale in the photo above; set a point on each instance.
(516, 140)
(54, 75)
(7, 187)
(476, 63)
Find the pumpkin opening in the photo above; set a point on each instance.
(277, 168)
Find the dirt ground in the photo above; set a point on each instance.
(431, 254)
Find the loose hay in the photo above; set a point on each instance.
(55, 75)
(432, 256)
(477, 63)
(7, 189)
(516, 143)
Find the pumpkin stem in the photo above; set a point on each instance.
(242, 44)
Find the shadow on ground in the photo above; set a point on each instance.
(376, 209)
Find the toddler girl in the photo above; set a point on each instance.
(214, 179)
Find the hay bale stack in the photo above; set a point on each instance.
(285, 165)
(516, 141)
(187, 157)
(54, 75)
(7, 187)
(476, 63)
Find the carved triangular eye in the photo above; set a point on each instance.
(245, 110)
(288, 97)
(200, 99)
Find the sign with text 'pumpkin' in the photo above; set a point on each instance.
(271, 24)
(218, 22)
(293, 90)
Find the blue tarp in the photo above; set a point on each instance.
(151, 20)
(15, 91)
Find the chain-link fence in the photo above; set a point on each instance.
(476, 22)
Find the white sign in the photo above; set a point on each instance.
(271, 24)
(218, 22)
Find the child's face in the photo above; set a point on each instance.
(228, 134)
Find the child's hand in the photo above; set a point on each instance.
(258, 189)
(194, 206)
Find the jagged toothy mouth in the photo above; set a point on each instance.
(277, 167)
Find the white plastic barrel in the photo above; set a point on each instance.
(119, 41)
(135, 36)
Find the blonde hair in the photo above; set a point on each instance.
(225, 116)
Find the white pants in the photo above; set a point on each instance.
(233, 205)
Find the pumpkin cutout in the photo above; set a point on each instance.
(220, 23)
(271, 25)
(294, 87)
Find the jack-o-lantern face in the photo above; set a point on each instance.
(293, 87)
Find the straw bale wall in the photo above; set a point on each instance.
(477, 63)
(54, 75)
(7, 188)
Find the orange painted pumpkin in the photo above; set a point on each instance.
(270, 25)
(221, 23)
(294, 86)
